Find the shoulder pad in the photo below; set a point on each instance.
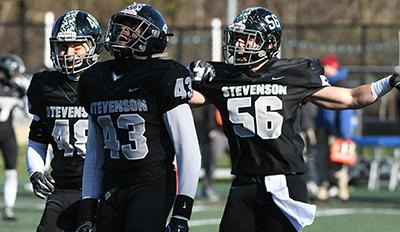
(300, 65)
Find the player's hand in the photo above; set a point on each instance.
(394, 81)
(87, 215)
(86, 227)
(202, 71)
(42, 184)
(177, 225)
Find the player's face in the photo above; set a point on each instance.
(127, 34)
(74, 52)
(245, 42)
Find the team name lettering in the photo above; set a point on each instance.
(259, 89)
(66, 112)
(118, 106)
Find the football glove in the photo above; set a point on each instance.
(87, 215)
(202, 71)
(177, 225)
(394, 81)
(42, 184)
(86, 227)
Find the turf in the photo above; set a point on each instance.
(366, 212)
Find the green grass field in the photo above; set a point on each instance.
(367, 211)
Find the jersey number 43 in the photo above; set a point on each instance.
(137, 148)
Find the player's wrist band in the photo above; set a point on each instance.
(381, 87)
(183, 207)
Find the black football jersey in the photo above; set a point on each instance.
(63, 123)
(259, 112)
(130, 112)
(11, 96)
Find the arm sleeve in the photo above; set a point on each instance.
(35, 157)
(180, 125)
(92, 172)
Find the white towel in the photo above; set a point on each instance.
(300, 214)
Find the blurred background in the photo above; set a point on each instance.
(363, 34)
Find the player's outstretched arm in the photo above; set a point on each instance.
(358, 97)
(180, 125)
(197, 99)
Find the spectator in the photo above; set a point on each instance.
(332, 125)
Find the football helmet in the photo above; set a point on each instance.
(138, 31)
(75, 26)
(259, 31)
(11, 66)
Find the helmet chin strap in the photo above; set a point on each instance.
(259, 64)
(74, 77)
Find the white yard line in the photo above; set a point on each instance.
(347, 211)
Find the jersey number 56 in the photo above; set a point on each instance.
(266, 123)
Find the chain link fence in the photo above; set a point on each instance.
(368, 50)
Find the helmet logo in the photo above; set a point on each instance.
(67, 34)
(133, 9)
(69, 23)
(244, 14)
(237, 26)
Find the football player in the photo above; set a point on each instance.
(13, 87)
(259, 97)
(58, 118)
(139, 120)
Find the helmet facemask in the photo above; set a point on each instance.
(73, 30)
(250, 50)
(129, 35)
(253, 37)
(75, 63)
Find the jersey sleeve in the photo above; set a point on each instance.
(34, 94)
(174, 88)
(38, 131)
(307, 76)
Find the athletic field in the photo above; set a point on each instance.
(366, 212)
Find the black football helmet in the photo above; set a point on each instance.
(252, 24)
(10, 66)
(75, 26)
(138, 31)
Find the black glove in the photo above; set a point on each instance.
(42, 184)
(86, 227)
(87, 215)
(202, 71)
(177, 225)
(394, 81)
